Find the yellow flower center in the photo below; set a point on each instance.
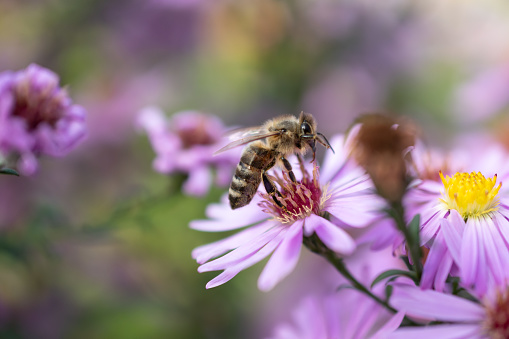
(471, 194)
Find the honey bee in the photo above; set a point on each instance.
(270, 144)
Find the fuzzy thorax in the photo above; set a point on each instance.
(471, 194)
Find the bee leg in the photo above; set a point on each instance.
(288, 167)
(272, 190)
(302, 168)
(313, 147)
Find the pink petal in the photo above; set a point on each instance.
(152, 120)
(430, 228)
(496, 251)
(222, 278)
(439, 331)
(473, 266)
(452, 229)
(244, 251)
(362, 317)
(433, 305)
(381, 234)
(333, 162)
(204, 253)
(245, 262)
(390, 326)
(443, 271)
(227, 219)
(331, 235)
(355, 181)
(355, 211)
(310, 319)
(198, 182)
(283, 260)
(433, 261)
(469, 255)
(503, 226)
(249, 213)
(27, 164)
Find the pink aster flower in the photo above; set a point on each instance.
(185, 144)
(463, 318)
(343, 191)
(326, 313)
(464, 223)
(347, 314)
(37, 117)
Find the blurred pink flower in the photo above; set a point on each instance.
(461, 318)
(37, 117)
(329, 313)
(347, 314)
(343, 190)
(186, 144)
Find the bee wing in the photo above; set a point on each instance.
(245, 136)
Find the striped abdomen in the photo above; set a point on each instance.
(256, 157)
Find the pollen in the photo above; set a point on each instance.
(471, 194)
(298, 199)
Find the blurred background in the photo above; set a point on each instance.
(97, 244)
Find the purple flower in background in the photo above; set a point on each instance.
(37, 117)
(185, 144)
(484, 96)
(343, 190)
(327, 313)
(464, 223)
(463, 318)
(347, 314)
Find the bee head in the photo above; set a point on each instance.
(308, 133)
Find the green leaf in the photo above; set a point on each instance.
(391, 273)
(9, 171)
(406, 261)
(413, 229)
(388, 292)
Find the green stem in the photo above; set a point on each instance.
(339, 264)
(413, 248)
(314, 244)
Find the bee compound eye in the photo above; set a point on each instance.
(306, 128)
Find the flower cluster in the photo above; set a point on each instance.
(445, 215)
(37, 117)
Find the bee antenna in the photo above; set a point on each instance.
(324, 142)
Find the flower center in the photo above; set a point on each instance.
(298, 200)
(38, 105)
(471, 194)
(497, 317)
(195, 129)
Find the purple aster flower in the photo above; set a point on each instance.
(37, 117)
(343, 191)
(325, 312)
(464, 223)
(463, 318)
(185, 144)
(344, 315)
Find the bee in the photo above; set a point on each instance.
(268, 145)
